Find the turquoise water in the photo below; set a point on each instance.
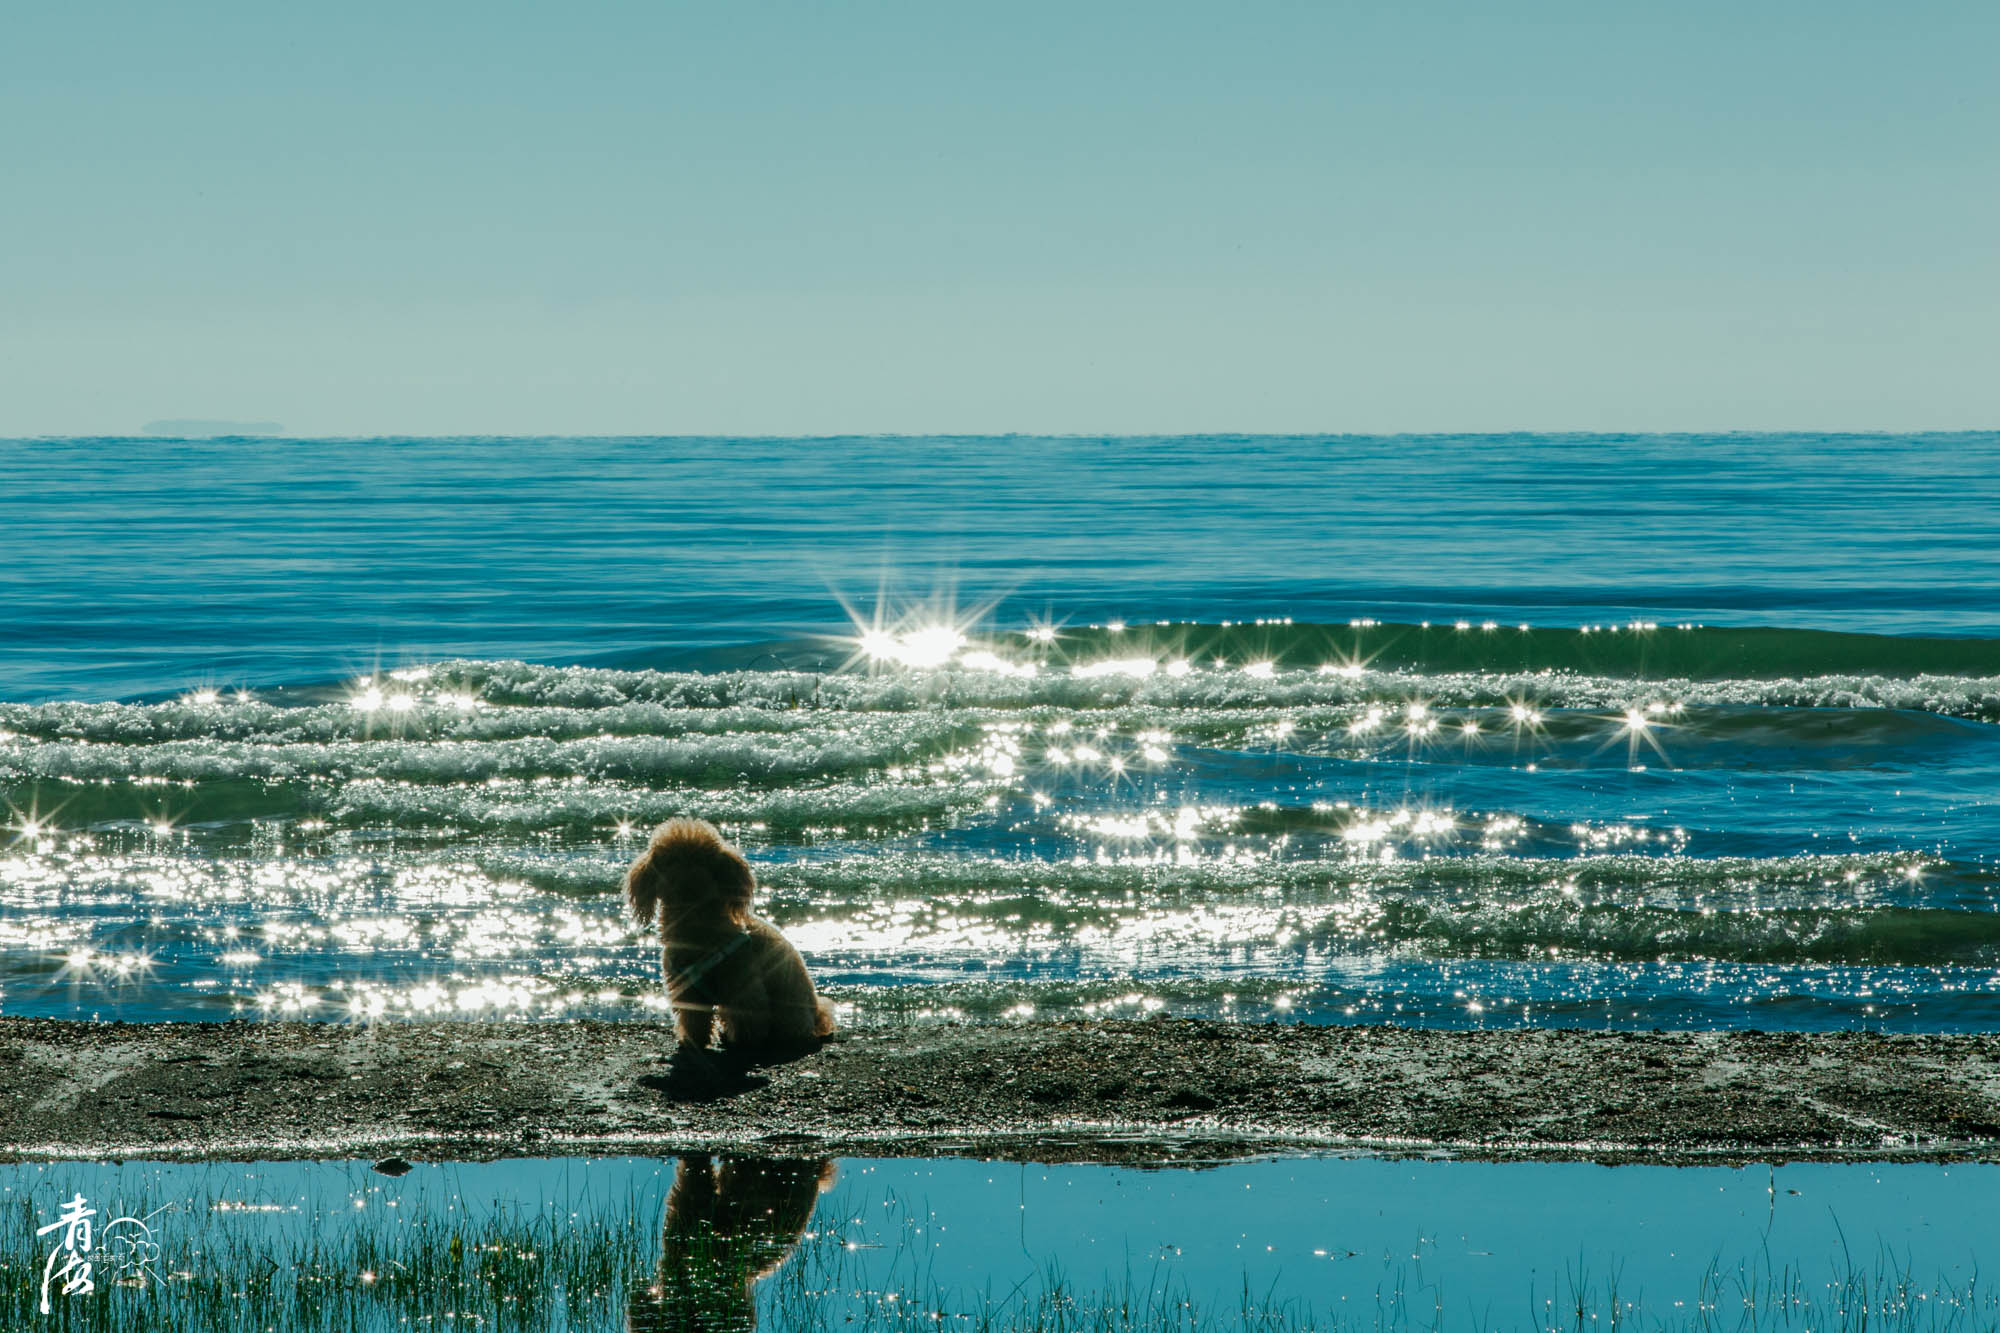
(1413, 1243)
(1679, 732)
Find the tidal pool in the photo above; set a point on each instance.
(1280, 1243)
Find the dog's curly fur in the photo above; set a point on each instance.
(722, 963)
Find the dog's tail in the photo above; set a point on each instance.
(688, 868)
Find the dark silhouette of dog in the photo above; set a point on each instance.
(725, 968)
(726, 1228)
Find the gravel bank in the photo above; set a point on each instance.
(1160, 1090)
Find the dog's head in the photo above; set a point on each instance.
(688, 876)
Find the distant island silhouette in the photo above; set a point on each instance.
(198, 427)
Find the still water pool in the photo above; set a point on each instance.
(1361, 1241)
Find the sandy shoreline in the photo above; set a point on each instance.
(1159, 1090)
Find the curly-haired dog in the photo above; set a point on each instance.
(721, 962)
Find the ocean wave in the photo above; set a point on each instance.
(1888, 909)
(441, 709)
(1630, 649)
(1638, 650)
(465, 720)
(836, 746)
(1447, 993)
(915, 933)
(551, 805)
(1148, 679)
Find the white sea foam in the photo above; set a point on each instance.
(1226, 687)
(845, 744)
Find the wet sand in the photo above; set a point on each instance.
(1152, 1091)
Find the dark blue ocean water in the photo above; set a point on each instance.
(1654, 731)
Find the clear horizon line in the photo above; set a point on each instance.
(1480, 433)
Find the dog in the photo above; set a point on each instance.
(724, 966)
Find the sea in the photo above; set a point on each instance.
(1596, 731)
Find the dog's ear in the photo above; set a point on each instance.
(644, 888)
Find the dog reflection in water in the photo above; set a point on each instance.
(727, 1226)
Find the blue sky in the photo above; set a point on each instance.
(738, 218)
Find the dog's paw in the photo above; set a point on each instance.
(701, 1078)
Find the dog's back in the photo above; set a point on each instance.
(797, 1011)
(758, 984)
